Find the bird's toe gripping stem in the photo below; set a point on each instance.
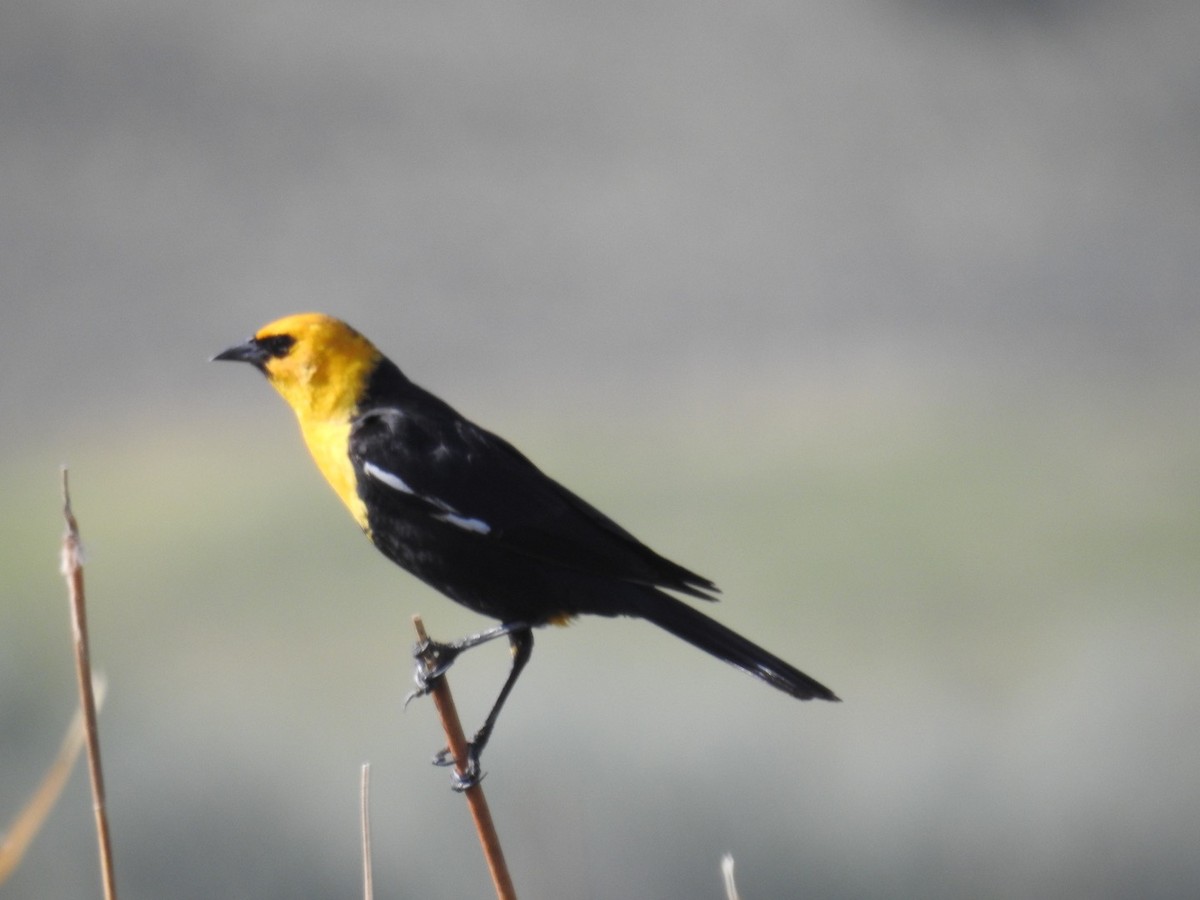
(433, 661)
(461, 781)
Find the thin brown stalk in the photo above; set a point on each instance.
(476, 801)
(72, 568)
(365, 807)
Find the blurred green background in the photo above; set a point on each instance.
(882, 315)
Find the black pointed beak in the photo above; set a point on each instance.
(251, 352)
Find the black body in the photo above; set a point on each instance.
(483, 525)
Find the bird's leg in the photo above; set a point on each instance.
(521, 642)
(435, 658)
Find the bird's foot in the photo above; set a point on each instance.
(461, 781)
(433, 660)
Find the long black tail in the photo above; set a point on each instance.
(712, 637)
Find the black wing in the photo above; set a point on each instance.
(441, 467)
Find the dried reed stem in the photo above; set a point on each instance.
(365, 807)
(476, 801)
(72, 569)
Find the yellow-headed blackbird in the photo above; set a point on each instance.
(468, 514)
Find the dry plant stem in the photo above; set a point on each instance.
(731, 891)
(72, 569)
(476, 801)
(365, 797)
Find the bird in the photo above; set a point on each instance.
(468, 514)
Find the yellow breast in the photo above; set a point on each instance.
(327, 441)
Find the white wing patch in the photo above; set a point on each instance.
(448, 514)
(395, 482)
(477, 525)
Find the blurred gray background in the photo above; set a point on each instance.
(881, 314)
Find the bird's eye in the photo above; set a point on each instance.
(277, 346)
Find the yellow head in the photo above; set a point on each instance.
(318, 364)
(321, 367)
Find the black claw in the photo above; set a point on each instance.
(421, 649)
(472, 777)
(424, 684)
(461, 782)
(433, 660)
